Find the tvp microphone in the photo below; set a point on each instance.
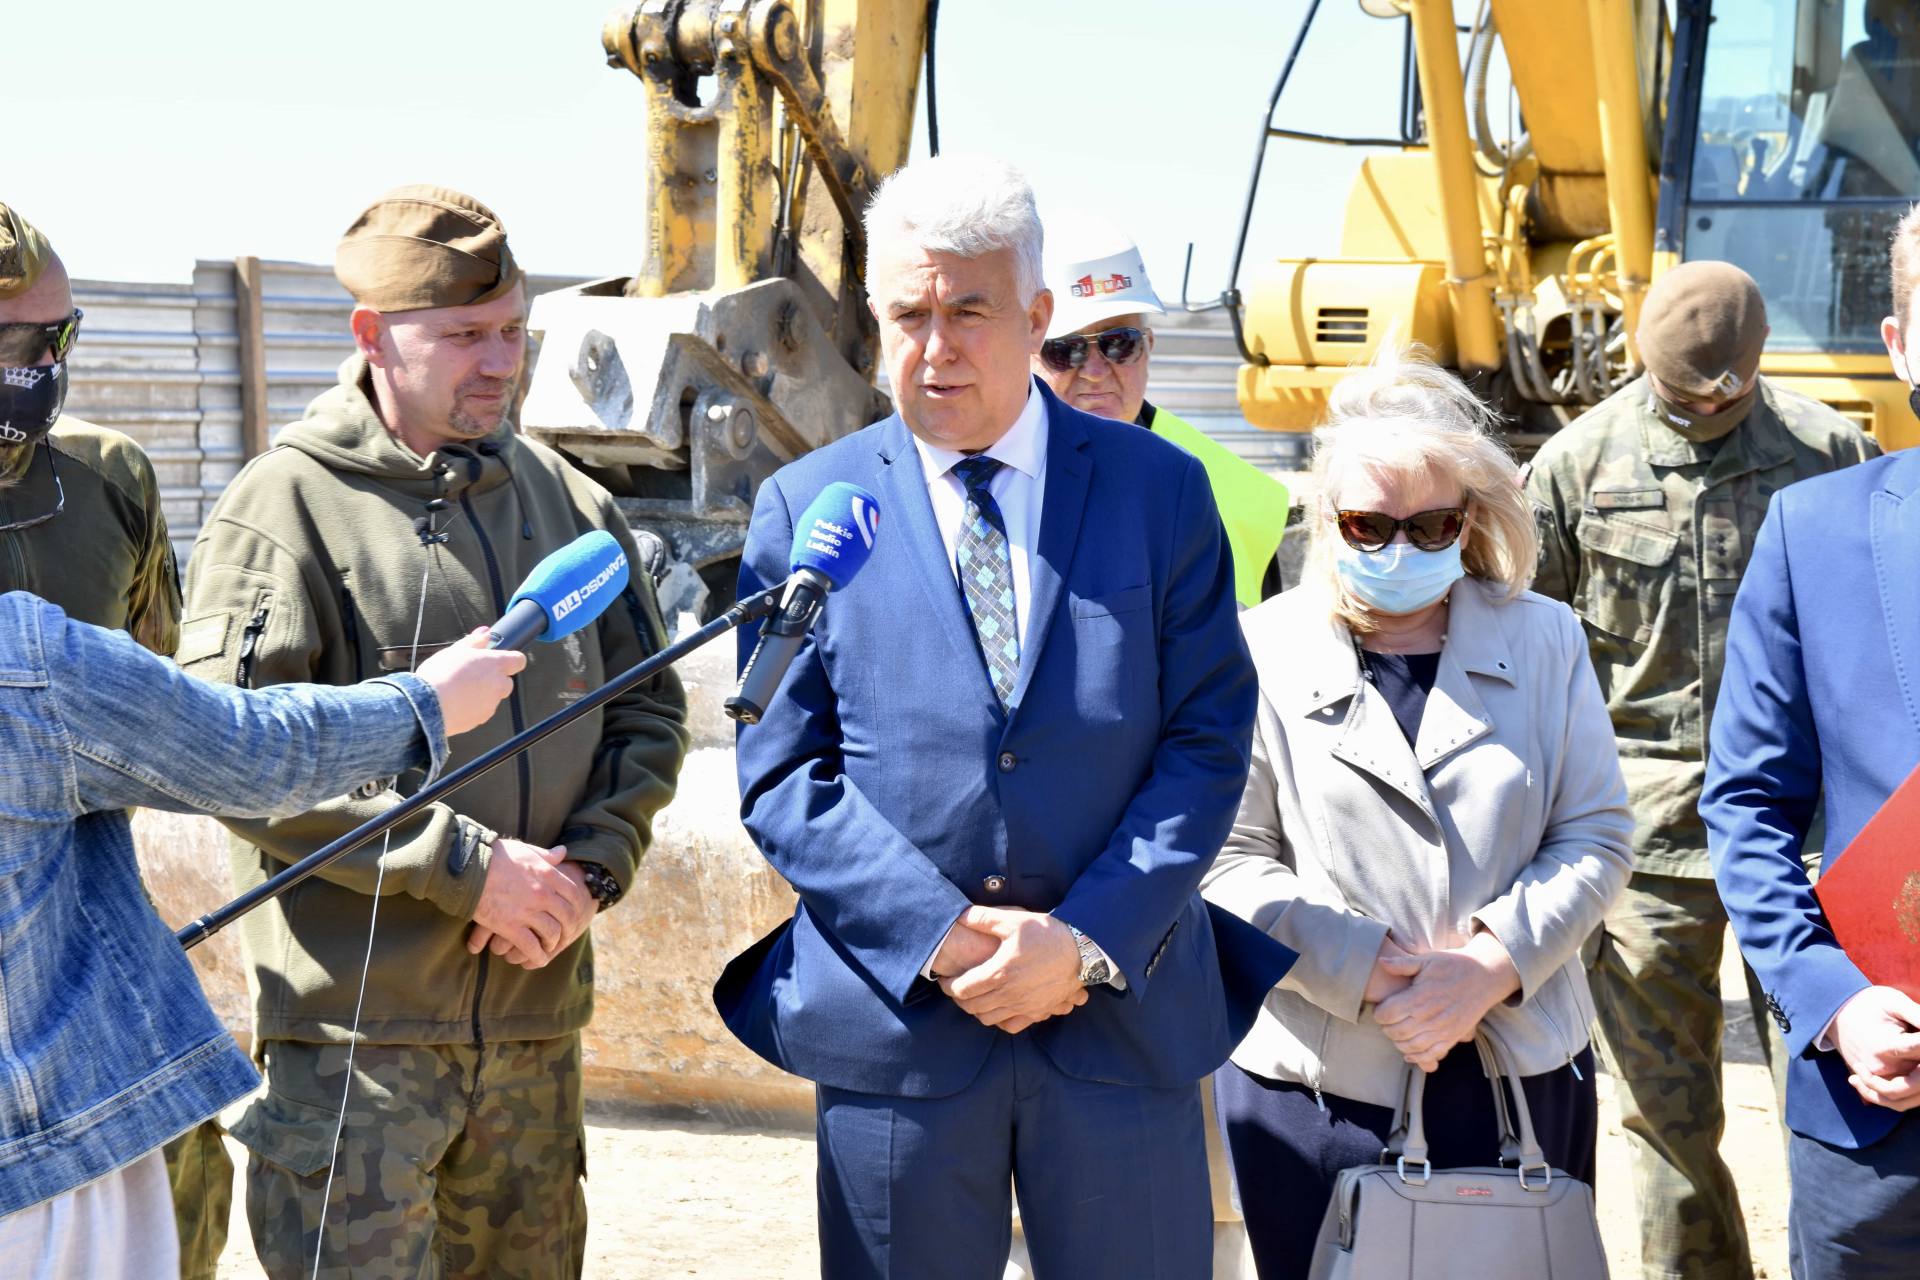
(566, 591)
(830, 544)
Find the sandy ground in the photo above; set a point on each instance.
(675, 1197)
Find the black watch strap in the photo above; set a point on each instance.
(600, 883)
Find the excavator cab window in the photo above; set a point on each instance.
(1804, 155)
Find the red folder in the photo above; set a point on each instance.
(1871, 894)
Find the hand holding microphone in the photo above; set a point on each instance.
(471, 679)
(565, 591)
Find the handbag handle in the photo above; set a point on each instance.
(1407, 1142)
(1509, 1136)
(1529, 1157)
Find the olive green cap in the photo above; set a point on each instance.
(421, 247)
(24, 254)
(1701, 330)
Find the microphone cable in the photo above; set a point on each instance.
(366, 965)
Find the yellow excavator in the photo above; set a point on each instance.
(1776, 134)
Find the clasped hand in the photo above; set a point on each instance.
(1878, 1034)
(1010, 968)
(1430, 1002)
(533, 905)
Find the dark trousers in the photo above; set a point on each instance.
(1286, 1151)
(1855, 1215)
(1112, 1179)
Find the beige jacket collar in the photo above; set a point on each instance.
(1319, 676)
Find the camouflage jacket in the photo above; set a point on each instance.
(105, 557)
(1646, 535)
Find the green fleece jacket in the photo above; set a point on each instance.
(322, 561)
(104, 557)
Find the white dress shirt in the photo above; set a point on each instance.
(1019, 487)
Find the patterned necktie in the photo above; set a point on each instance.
(986, 575)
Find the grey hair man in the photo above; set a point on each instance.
(1001, 977)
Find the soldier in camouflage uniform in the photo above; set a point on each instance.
(1648, 505)
(80, 525)
(397, 515)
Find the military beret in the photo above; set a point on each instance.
(24, 254)
(419, 247)
(1701, 329)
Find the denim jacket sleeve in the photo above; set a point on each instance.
(141, 732)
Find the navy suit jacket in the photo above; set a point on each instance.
(886, 785)
(1819, 701)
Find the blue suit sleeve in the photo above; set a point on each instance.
(881, 899)
(1762, 786)
(1129, 897)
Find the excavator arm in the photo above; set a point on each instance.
(743, 338)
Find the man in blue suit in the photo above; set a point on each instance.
(1821, 701)
(995, 776)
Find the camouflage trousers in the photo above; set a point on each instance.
(201, 1175)
(1656, 986)
(456, 1161)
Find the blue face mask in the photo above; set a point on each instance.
(1399, 577)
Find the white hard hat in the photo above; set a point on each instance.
(1096, 272)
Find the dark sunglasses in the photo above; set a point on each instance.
(23, 343)
(1117, 346)
(1434, 530)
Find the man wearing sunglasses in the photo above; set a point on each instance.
(81, 526)
(1095, 358)
(1648, 507)
(80, 516)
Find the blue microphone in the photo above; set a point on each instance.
(831, 543)
(566, 591)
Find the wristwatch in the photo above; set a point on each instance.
(1094, 969)
(600, 883)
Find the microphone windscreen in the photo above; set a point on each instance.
(575, 584)
(835, 532)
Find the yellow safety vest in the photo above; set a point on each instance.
(1253, 505)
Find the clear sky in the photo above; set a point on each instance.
(145, 135)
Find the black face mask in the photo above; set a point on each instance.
(1913, 400)
(30, 402)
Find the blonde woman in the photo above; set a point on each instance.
(1435, 818)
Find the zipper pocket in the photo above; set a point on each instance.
(523, 768)
(1553, 1022)
(249, 645)
(1320, 1062)
(350, 624)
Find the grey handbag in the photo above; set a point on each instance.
(1402, 1219)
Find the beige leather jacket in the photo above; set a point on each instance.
(1509, 812)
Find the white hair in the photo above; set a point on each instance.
(1404, 417)
(968, 206)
